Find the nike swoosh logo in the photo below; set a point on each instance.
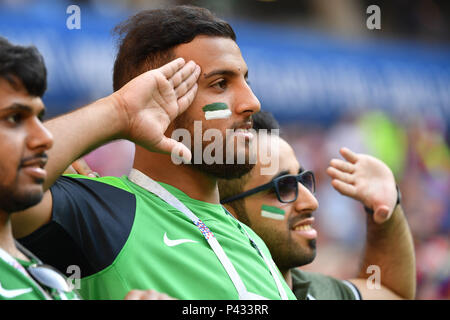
(172, 243)
(13, 293)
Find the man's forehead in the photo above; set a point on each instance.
(213, 54)
(17, 96)
(284, 171)
(275, 150)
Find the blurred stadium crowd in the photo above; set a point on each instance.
(416, 147)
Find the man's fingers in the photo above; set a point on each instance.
(344, 188)
(340, 175)
(147, 295)
(181, 75)
(349, 155)
(163, 296)
(133, 295)
(141, 295)
(342, 165)
(81, 167)
(187, 83)
(177, 150)
(93, 174)
(169, 69)
(185, 101)
(70, 170)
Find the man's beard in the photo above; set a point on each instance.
(287, 254)
(224, 170)
(219, 168)
(13, 201)
(307, 258)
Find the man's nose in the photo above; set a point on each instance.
(306, 201)
(248, 103)
(39, 137)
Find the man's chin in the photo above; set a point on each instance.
(312, 245)
(23, 201)
(305, 254)
(306, 258)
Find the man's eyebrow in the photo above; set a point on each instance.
(285, 172)
(21, 107)
(223, 72)
(17, 107)
(282, 173)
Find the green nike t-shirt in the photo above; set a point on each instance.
(124, 237)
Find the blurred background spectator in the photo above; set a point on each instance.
(330, 81)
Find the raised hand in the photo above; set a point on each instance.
(151, 101)
(366, 179)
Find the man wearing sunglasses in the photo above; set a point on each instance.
(280, 207)
(162, 227)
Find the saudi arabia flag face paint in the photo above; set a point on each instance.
(272, 212)
(217, 110)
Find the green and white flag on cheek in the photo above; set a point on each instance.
(217, 110)
(272, 212)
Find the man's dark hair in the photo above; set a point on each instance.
(147, 39)
(230, 187)
(25, 66)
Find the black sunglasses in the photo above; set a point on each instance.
(286, 187)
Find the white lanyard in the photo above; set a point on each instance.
(268, 262)
(150, 185)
